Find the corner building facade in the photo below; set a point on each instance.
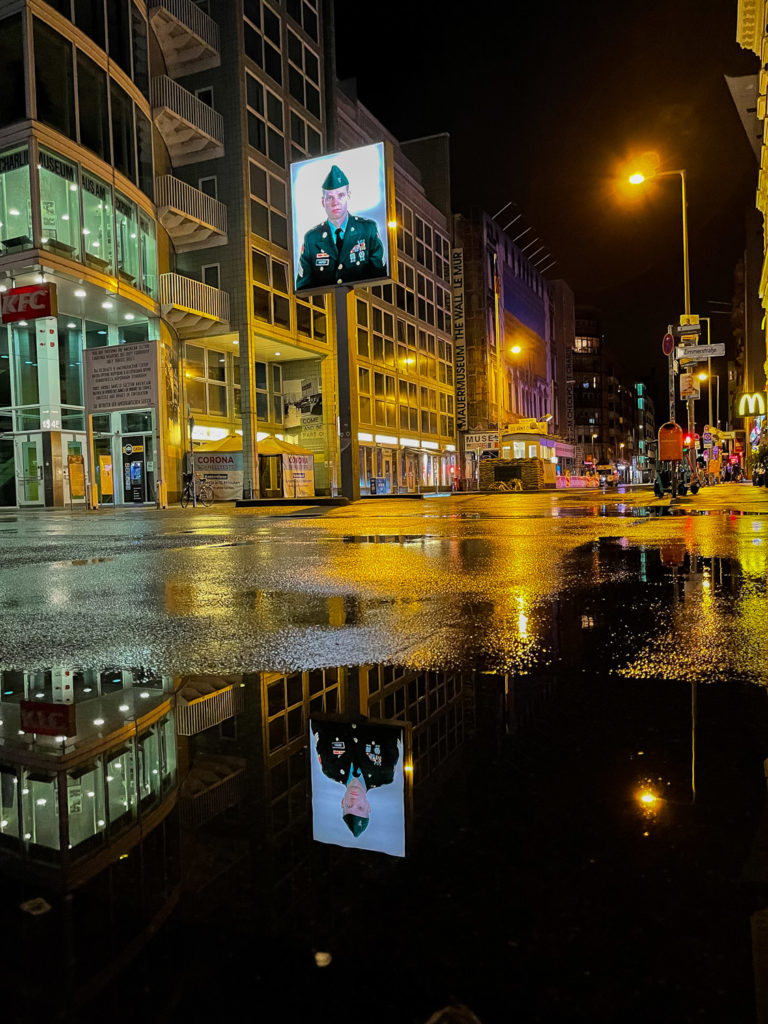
(77, 211)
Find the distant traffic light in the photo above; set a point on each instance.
(688, 440)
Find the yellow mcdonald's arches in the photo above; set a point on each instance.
(751, 404)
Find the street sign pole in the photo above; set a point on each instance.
(668, 347)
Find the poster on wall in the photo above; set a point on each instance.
(342, 206)
(304, 411)
(358, 783)
(223, 471)
(298, 476)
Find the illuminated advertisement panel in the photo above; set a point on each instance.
(342, 206)
(358, 783)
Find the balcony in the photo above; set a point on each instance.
(192, 219)
(191, 129)
(205, 701)
(213, 785)
(188, 38)
(193, 308)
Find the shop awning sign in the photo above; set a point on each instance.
(481, 441)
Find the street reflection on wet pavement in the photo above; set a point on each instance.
(583, 706)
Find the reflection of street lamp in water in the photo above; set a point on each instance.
(593, 448)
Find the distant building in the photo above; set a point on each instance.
(645, 460)
(508, 379)
(604, 406)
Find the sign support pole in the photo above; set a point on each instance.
(348, 447)
(92, 486)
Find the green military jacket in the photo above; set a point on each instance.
(368, 750)
(361, 258)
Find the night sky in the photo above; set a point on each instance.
(546, 103)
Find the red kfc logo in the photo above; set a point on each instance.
(32, 302)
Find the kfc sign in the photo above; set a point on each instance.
(31, 302)
(48, 719)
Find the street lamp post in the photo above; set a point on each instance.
(638, 179)
(593, 449)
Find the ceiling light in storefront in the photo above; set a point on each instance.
(3, 287)
(144, 695)
(65, 216)
(277, 353)
(129, 316)
(106, 305)
(73, 188)
(235, 342)
(98, 721)
(101, 332)
(123, 707)
(80, 293)
(40, 279)
(86, 231)
(71, 326)
(133, 234)
(13, 212)
(40, 695)
(43, 241)
(23, 323)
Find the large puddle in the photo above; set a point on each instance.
(557, 814)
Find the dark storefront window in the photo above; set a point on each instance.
(122, 132)
(11, 71)
(94, 110)
(118, 19)
(89, 16)
(54, 79)
(144, 144)
(140, 52)
(70, 358)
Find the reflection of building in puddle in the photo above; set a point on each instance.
(87, 822)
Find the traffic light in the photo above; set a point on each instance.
(687, 440)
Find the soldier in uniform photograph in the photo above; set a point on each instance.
(359, 756)
(344, 248)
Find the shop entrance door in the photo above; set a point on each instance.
(30, 488)
(72, 448)
(7, 473)
(134, 471)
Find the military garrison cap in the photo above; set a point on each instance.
(356, 824)
(336, 178)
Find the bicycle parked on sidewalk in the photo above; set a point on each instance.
(196, 490)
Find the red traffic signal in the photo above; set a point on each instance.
(688, 440)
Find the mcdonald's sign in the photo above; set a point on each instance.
(750, 404)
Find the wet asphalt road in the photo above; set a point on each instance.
(473, 580)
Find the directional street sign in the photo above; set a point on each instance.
(685, 330)
(700, 351)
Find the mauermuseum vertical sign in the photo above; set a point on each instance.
(459, 337)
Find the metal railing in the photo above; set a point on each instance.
(213, 708)
(196, 20)
(164, 92)
(178, 195)
(184, 293)
(203, 806)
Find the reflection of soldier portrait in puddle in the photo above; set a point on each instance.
(344, 248)
(361, 757)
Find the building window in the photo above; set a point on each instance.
(305, 14)
(98, 230)
(13, 107)
(265, 120)
(305, 140)
(59, 205)
(268, 378)
(262, 38)
(93, 106)
(205, 95)
(206, 378)
(209, 186)
(15, 200)
(54, 79)
(272, 306)
(303, 74)
(210, 274)
(127, 240)
(148, 255)
(364, 394)
(268, 206)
